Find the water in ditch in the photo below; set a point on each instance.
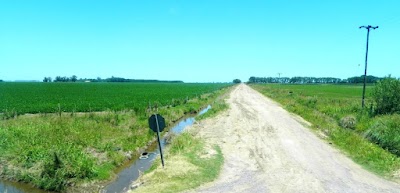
(131, 173)
(125, 177)
(15, 187)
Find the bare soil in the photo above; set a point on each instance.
(266, 149)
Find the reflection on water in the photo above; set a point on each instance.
(14, 187)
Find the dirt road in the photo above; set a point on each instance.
(266, 149)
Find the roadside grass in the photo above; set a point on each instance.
(190, 162)
(54, 151)
(335, 112)
(217, 106)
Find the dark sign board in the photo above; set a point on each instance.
(153, 122)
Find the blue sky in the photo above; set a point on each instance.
(197, 40)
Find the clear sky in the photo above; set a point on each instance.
(197, 40)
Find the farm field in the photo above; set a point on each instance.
(335, 114)
(83, 144)
(85, 97)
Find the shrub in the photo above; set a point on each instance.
(311, 101)
(387, 96)
(385, 131)
(8, 114)
(182, 142)
(348, 122)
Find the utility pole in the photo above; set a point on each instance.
(366, 60)
(279, 74)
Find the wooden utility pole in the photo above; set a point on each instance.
(366, 60)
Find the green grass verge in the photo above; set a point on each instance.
(335, 111)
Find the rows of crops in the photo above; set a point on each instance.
(84, 97)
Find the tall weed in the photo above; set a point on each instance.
(385, 131)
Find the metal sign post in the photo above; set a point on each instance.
(157, 124)
(159, 142)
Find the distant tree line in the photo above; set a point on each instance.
(360, 79)
(118, 79)
(313, 80)
(98, 79)
(1, 80)
(61, 79)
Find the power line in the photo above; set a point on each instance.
(366, 61)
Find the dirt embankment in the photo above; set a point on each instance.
(268, 150)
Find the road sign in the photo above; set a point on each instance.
(157, 124)
(153, 122)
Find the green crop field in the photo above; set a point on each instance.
(336, 114)
(84, 97)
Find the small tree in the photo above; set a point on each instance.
(252, 79)
(74, 78)
(237, 81)
(387, 96)
(57, 79)
(47, 79)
